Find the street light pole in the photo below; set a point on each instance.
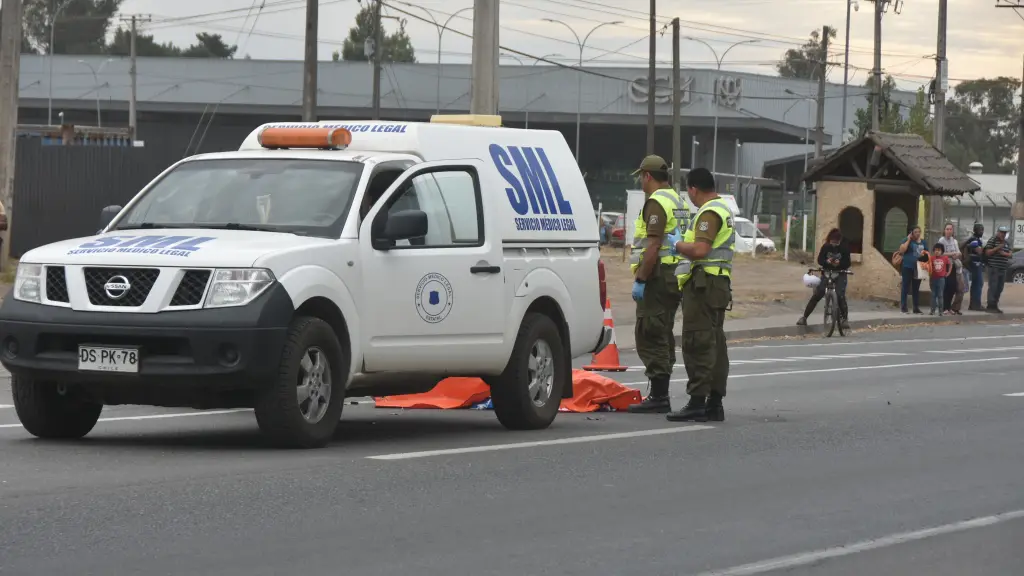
(807, 153)
(714, 144)
(96, 84)
(49, 58)
(579, 83)
(440, 34)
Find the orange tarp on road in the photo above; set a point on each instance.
(592, 391)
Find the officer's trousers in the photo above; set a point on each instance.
(655, 319)
(705, 353)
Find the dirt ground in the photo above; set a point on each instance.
(762, 286)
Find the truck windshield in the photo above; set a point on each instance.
(299, 196)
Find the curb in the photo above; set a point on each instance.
(780, 331)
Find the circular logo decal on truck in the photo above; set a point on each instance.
(433, 298)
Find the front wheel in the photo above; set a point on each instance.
(302, 406)
(528, 393)
(831, 313)
(1017, 276)
(51, 410)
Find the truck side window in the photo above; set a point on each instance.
(451, 201)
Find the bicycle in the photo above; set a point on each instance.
(832, 320)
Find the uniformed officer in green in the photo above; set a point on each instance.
(706, 285)
(655, 288)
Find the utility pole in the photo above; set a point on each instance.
(651, 80)
(309, 63)
(133, 101)
(876, 70)
(378, 50)
(10, 68)
(484, 88)
(936, 218)
(819, 126)
(1018, 206)
(677, 97)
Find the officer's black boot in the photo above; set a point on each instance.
(715, 411)
(657, 402)
(694, 411)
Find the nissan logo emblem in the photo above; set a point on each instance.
(117, 287)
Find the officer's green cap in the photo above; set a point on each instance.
(652, 163)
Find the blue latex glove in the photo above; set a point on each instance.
(638, 291)
(674, 238)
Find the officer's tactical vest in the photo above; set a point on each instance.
(678, 213)
(718, 262)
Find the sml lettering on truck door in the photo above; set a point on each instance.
(440, 295)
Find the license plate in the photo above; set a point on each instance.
(104, 359)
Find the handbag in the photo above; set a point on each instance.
(897, 259)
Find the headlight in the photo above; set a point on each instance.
(237, 287)
(28, 282)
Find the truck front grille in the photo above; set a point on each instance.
(56, 284)
(191, 288)
(106, 286)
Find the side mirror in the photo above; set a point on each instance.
(107, 215)
(404, 225)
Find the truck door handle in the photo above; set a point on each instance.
(485, 269)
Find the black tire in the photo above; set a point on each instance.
(278, 411)
(514, 404)
(48, 413)
(831, 311)
(1016, 276)
(838, 314)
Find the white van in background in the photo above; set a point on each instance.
(319, 261)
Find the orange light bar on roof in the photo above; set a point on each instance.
(329, 138)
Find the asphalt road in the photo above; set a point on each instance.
(885, 453)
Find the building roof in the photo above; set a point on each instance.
(766, 107)
(996, 190)
(916, 159)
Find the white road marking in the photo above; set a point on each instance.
(560, 441)
(807, 558)
(157, 416)
(965, 351)
(846, 368)
(880, 342)
(1015, 395)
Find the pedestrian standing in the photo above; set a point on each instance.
(655, 288)
(951, 249)
(912, 250)
(940, 268)
(997, 259)
(705, 281)
(974, 259)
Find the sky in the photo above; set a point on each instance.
(983, 41)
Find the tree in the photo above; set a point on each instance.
(397, 45)
(209, 46)
(145, 45)
(26, 46)
(890, 114)
(804, 62)
(982, 125)
(80, 28)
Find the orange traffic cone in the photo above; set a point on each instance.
(607, 360)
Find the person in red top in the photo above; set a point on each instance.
(940, 268)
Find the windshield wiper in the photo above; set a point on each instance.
(248, 228)
(153, 225)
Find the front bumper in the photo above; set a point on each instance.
(219, 348)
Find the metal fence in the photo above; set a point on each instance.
(59, 191)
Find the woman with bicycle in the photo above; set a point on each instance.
(834, 256)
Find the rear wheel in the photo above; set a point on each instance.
(302, 407)
(528, 393)
(1017, 276)
(51, 410)
(831, 312)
